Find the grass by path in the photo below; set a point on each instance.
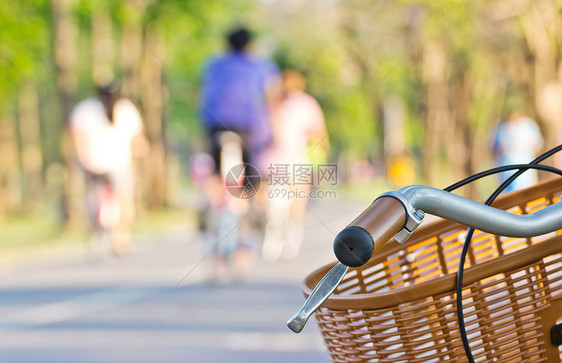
(24, 236)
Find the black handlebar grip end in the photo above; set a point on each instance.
(353, 246)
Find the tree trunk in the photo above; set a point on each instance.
(542, 25)
(64, 31)
(491, 91)
(8, 166)
(132, 48)
(155, 174)
(438, 113)
(30, 141)
(458, 144)
(102, 45)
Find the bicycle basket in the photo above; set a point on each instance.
(400, 306)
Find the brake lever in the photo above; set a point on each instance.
(321, 293)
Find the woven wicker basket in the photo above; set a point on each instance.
(400, 306)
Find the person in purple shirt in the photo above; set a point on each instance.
(238, 89)
(236, 98)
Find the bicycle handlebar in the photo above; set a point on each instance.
(483, 217)
(355, 244)
(398, 218)
(397, 214)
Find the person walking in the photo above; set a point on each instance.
(517, 140)
(299, 131)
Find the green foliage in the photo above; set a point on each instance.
(24, 44)
(192, 31)
(354, 55)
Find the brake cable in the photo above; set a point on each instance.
(460, 273)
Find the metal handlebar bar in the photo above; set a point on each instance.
(385, 218)
(397, 214)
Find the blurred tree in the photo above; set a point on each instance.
(457, 65)
(8, 166)
(152, 96)
(103, 47)
(131, 15)
(23, 40)
(31, 156)
(541, 21)
(64, 53)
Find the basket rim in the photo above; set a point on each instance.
(436, 286)
(446, 283)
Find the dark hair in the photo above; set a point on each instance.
(238, 38)
(108, 96)
(111, 89)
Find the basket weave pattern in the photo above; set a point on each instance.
(401, 307)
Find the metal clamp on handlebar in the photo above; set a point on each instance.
(413, 217)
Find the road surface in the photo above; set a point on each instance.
(153, 305)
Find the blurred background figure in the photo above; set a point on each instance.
(108, 135)
(238, 89)
(517, 140)
(299, 139)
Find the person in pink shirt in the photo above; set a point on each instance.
(299, 131)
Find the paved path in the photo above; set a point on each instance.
(82, 308)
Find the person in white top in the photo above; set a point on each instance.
(517, 140)
(108, 136)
